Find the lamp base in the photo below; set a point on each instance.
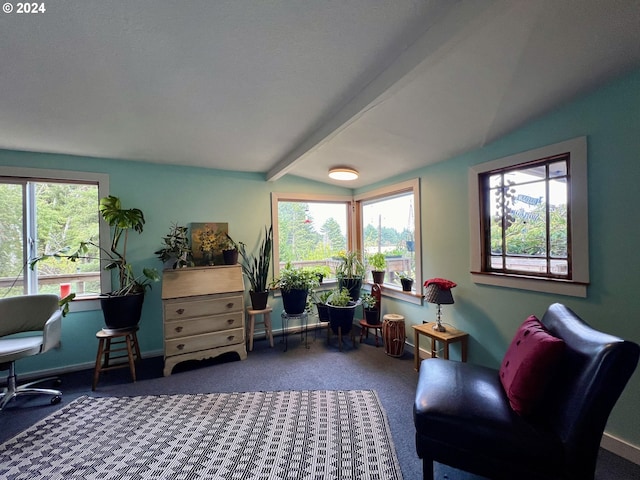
(438, 327)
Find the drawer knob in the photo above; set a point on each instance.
(230, 305)
(231, 337)
(178, 329)
(230, 321)
(180, 311)
(180, 346)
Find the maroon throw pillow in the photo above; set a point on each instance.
(528, 364)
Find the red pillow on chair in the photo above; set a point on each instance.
(528, 364)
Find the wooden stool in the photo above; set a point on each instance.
(266, 320)
(364, 330)
(107, 340)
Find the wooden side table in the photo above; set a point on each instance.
(452, 335)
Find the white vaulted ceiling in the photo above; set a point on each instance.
(297, 86)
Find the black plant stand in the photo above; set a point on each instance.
(304, 327)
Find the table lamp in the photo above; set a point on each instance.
(438, 291)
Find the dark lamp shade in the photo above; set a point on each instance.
(441, 296)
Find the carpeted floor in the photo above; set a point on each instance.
(317, 368)
(308, 434)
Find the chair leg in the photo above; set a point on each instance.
(427, 469)
(13, 390)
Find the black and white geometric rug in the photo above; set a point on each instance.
(256, 435)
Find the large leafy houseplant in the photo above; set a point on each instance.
(122, 221)
(295, 284)
(176, 250)
(350, 273)
(256, 269)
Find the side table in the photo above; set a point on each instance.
(451, 335)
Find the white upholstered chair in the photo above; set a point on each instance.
(38, 319)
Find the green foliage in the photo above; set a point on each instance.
(256, 269)
(378, 262)
(339, 297)
(292, 278)
(121, 221)
(351, 265)
(404, 276)
(368, 301)
(176, 247)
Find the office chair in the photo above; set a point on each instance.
(39, 317)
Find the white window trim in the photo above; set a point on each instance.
(305, 197)
(102, 179)
(577, 286)
(413, 185)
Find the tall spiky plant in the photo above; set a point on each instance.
(256, 269)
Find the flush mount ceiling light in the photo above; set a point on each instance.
(343, 173)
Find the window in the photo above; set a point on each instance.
(310, 231)
(48, 211)
(388, 225)
(531, 225)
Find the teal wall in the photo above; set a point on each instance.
(609, 117)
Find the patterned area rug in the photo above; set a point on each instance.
(257, 435)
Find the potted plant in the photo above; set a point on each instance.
(256, 269)
(370, 307)
(121, 307)
(295, 285)
(320, 301)
(341, 310)
(229, 250)
(406, 280)
(320, 271)
(378, 264)
(176, 251)
(350, 273)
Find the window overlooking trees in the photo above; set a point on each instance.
(310, 232)
(529, 213)
(389, 228)
(526, 218)
(45, 215)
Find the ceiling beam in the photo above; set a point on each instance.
(451, 22)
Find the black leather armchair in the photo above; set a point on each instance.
(463, 418)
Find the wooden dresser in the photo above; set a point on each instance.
(203, 314)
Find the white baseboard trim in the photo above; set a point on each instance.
(621, 448)
(609, 442)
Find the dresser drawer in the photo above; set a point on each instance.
(174, 310)
(185, 327)
(204, 341)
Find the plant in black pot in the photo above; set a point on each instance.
(341, 310)
(350, 273)
(121, 307)
(406, 280)
(378, 264)
(256, 269)
(176, 250)
(320, 301)
(229, 250)
(370, 307)
(295, 284)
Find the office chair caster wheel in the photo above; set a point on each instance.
(56, 400)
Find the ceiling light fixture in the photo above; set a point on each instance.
(343, 173)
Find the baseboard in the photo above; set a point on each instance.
(609, 442)
(621, 448)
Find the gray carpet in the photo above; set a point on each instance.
(267, 369)
(312, 434)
